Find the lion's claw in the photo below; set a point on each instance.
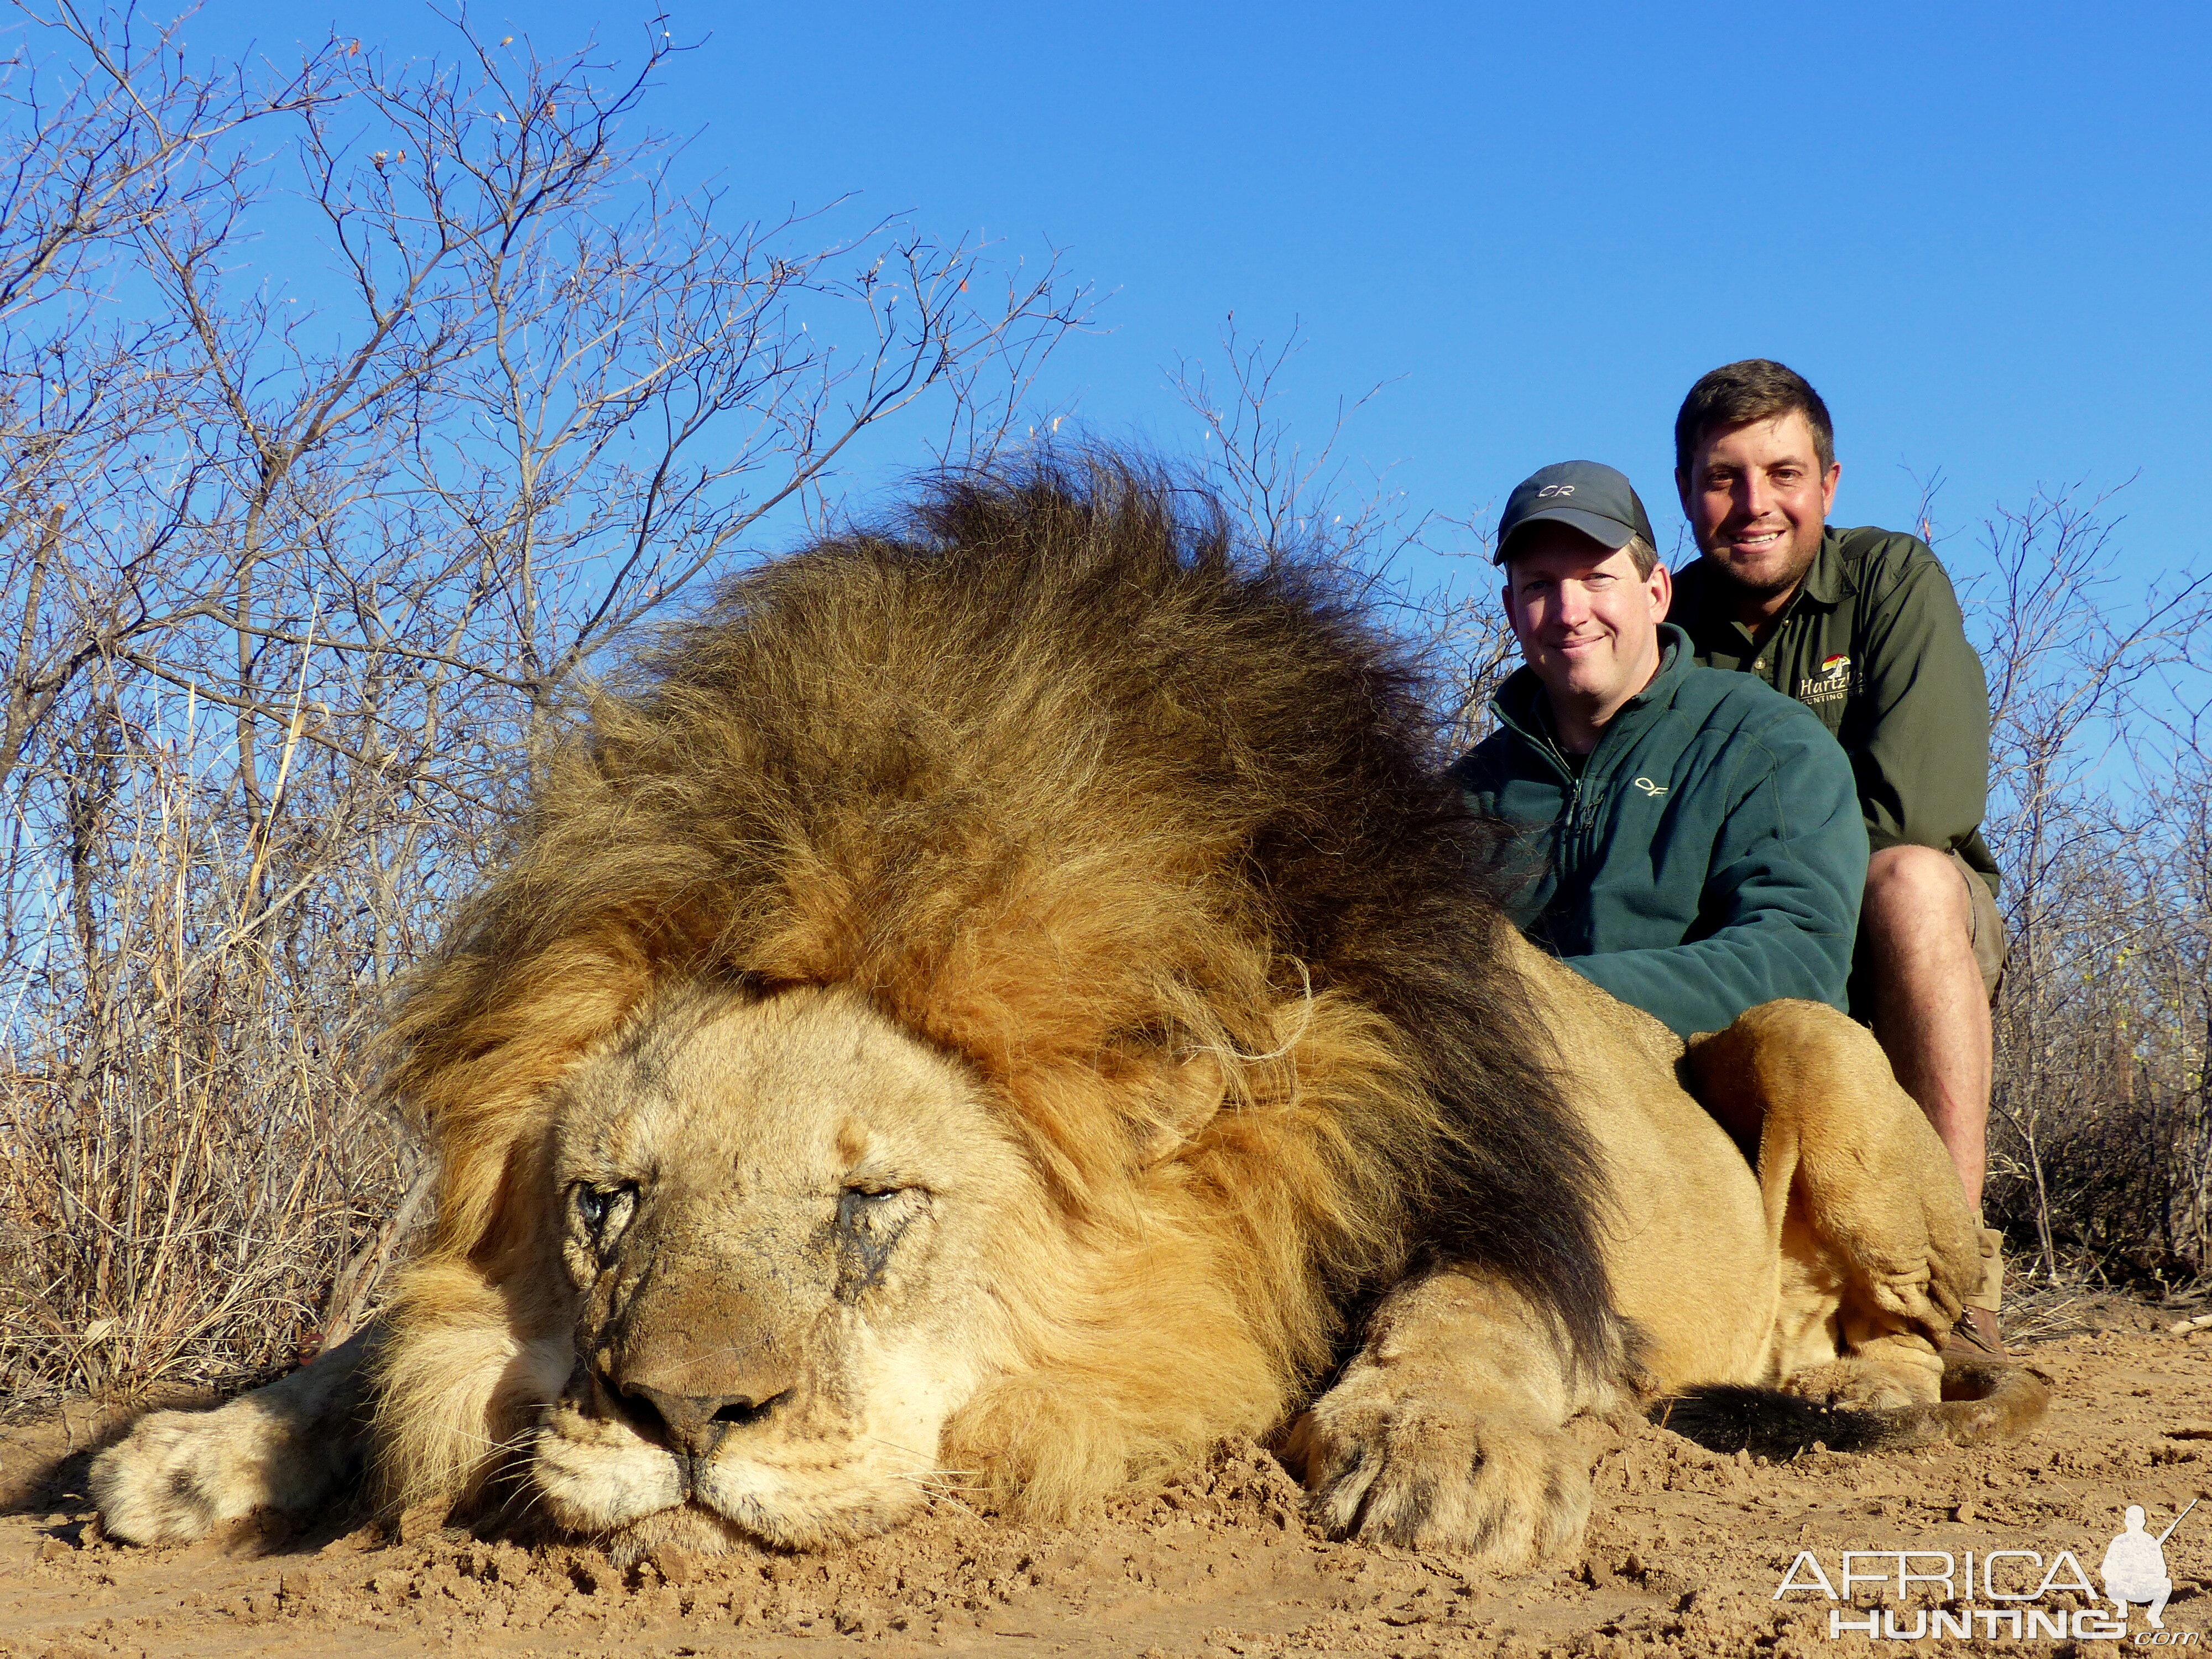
(1427, 1475)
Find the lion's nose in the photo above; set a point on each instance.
(693, 1424)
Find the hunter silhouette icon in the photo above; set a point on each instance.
(2134, 1567)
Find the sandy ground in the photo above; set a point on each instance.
(1683, 1555)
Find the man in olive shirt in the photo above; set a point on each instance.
(1862, 628)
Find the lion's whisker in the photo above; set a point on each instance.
(943, 1479)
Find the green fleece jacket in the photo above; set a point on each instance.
(1707, 855)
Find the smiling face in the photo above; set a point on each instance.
(1757, 499)
(1588, 624)
(777, 1236)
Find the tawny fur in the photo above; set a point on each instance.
(1064, 784)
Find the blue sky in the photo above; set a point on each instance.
(1981, 231)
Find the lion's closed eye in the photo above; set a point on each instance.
(603, 1211)
(870, 1221)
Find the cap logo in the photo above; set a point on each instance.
(1555, 489)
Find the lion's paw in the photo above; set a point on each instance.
(179, 1474)
(1430, 1474)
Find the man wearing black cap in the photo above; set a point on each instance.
(1688, 839)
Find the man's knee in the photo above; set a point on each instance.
(1919, 871)
(1914, 889)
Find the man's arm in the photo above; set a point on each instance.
(1781, 898)
(1919, 729)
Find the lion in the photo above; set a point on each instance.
(1006, 1000)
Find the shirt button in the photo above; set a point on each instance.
(1760, 665)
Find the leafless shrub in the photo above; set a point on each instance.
(349, 414)
(191, 1155)
(2099, 816)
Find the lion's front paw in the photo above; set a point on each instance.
(1429, 1475)
(179, 1474)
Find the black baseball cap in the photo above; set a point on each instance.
(1585, 496)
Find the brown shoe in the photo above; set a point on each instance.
(1975, 1337)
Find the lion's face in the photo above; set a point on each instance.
(781, 1222)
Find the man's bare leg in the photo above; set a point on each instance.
(1931, 1014)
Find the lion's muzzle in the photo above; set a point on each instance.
(692, 1427)
(686, 1340)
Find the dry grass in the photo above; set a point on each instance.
(193, 1163)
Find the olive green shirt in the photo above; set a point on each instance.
(1874, 643)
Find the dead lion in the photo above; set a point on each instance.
(1003, 999)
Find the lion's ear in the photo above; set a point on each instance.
(1185, 1090)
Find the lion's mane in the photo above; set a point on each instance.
(1060, 778)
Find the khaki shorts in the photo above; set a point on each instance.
(1985, 925)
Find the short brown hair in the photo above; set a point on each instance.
(1737, 394)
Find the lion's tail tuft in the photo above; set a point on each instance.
(1982, 1400)
(1730, 1416)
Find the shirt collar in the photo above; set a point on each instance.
(1828, 582)
(1520, 702)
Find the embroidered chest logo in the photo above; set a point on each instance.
(1654, 790)
(1832, 681)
